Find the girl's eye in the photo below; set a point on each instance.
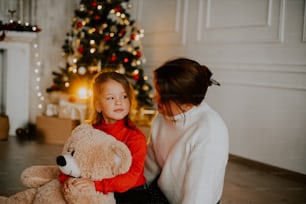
(110, 98)
(124, 97)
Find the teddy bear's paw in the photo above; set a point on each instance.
(3, 199)
(36, 176)
(90, 197)
(50, 193)
(23, 197)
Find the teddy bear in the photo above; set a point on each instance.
(88, 153)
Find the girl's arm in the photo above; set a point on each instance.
(121, 183)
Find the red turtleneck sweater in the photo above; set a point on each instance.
(136, 142)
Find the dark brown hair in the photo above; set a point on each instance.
(99, 80)
(182, 81)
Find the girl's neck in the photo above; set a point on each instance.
(112, 122)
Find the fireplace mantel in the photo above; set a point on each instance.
(19, 37)
(17, 47)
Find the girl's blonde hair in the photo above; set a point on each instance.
(98, 81)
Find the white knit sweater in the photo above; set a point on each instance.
(190, 156)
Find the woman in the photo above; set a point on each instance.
(188, 149)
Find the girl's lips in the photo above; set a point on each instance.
(118, 110)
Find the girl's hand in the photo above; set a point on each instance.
(68, 185)
(83, 184)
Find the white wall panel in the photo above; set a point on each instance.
(304, 30)
(257, 50)
(263, 75)
(164, 25)
(223, 21)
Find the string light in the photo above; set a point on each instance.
(37, 74)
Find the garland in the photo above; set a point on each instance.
(16, 26)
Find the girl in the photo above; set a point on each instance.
(113, 97)
(188, 148)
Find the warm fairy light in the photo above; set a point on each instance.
(92, 50)
(83, 93)
(92, 30)
(37, 75)
(135, 72)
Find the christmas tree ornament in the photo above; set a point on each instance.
(82, 70)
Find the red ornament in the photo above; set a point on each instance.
(121, 33)
(54, 87)
(94, 4)
(97, 17)
(133, 36)
(72, 99)
(118, 9)
(107, 38)
(136, 77)
(79, 24)
(138, 54)
(81, 50)
(113, 58)
(126, 60)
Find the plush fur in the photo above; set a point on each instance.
(88, 153)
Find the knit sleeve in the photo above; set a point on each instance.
(151, 167)
(206, 170)
(136, 142)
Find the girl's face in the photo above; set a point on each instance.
(113, 102)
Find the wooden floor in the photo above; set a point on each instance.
(243, 185)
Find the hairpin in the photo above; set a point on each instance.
(214, 82)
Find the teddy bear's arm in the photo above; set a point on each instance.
(37, 175)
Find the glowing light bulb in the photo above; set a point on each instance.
(83, 93)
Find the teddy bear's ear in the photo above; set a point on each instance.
(81, 128)
(122, 158)
(76, 135)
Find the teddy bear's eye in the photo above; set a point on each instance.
(71, 151)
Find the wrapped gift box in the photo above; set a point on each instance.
(54, 130)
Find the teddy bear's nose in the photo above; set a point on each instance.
(61, 161)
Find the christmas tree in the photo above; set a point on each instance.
(102, 38)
